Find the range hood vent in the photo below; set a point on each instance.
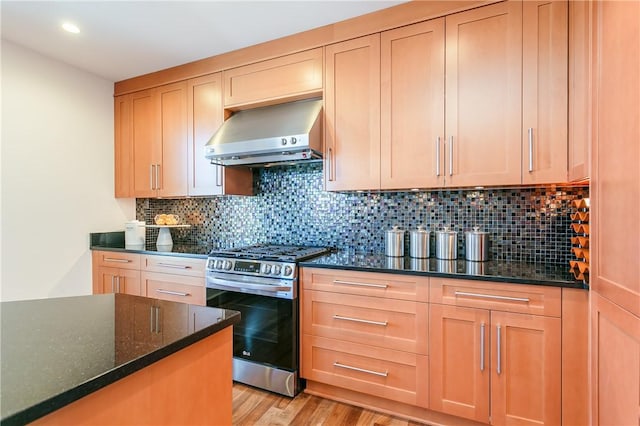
(277, 134)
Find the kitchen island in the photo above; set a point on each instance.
(115, 359)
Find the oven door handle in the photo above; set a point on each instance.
(228, 284)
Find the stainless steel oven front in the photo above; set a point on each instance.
(265, 342)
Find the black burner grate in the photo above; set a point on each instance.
(272, 252)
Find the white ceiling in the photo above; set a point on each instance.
(123, 39)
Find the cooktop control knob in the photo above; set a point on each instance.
(288, 270)
(227, 265)
(266, 268)
(277, 269)
(218, 264)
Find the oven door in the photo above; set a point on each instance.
(268, 329)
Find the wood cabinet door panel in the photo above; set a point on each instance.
(104, 279)
(123, 147)
(544, 103)
(525, 369)
(129, 282)
(395, 375)
(143, 136)
(284, 78)
(459, 367)
(393, 324)
(412, 106)
(390, 286)
(171, 154)
(352, 114)
(484, 100)
(615, 208)
(615, 363)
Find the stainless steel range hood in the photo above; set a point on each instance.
(269, 135)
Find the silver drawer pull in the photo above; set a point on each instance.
(362, 370)
(382, 323)
(491, 296)
(113, 259)
(482, 347)
(171, 265)
(173, 293)
(360, 284)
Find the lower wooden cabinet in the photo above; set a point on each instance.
(176, 288)
(114, 280)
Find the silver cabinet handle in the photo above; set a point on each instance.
(173, 293)
(219, 175)
(450, 155)
(482, 347)
(492, 296)
(158, 186)
(498, 345)
(438, 156)
(340, 317)
(113, 259)
(152, 169)
(157, 308)
(172, 265)
(362, 370)
(360, 284)
(530, 134)
(330, 165)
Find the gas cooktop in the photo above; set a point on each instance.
(283, 253)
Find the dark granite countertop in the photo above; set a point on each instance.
(114, 241)
(493, 270)
(55, 351)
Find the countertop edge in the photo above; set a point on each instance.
(65, 398)
(148, 252)
(491, 278)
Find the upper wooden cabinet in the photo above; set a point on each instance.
(412, 106)
(544, 87)
(205, 114)
(483, 90)
(580, 95)
(123, 147)
(352, 114)
(159, 138)
(290, 77)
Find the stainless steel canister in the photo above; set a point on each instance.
(419, 243)
(446, 244)
(394, 242)
(477, 245)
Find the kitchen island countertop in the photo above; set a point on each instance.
(56, 351)
(492, 270)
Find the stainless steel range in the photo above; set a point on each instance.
(262, 283)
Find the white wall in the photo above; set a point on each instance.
(56, 174)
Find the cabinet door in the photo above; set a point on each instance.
(615, 182)
(123, 148)
(171, 159)
(129, 282)
(615, 363)
(143, 136)
(412, 106)
(459, 361)
(525, 369)
(580, 99)
(352, 114)
(484, 102)
(205, 116)
(104, 280)
(113, 280)
(544, 88)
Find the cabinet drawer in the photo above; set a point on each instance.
(395, 375)
(174, 265)
(530, 299)
(115, 259)
(393, 324)
(177, 288)
(285, 77)
(391, 286)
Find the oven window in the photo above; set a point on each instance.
(267, 332)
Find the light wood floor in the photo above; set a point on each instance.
(253, 406)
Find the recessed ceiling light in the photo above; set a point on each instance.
(69, 27)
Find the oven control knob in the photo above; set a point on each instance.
(288, 270)
(227, 265)
(218, 264)
(277, 269)
(266, 269)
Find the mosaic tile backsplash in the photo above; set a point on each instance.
(525, 224)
